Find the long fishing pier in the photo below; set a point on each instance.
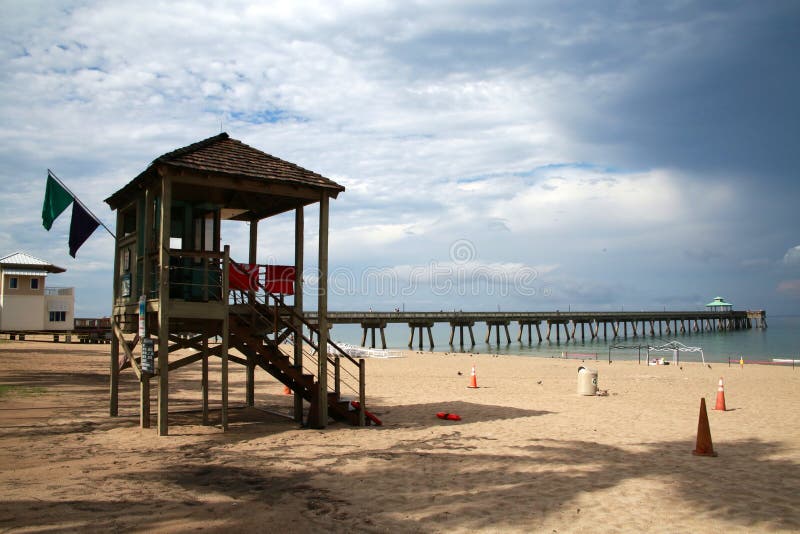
(574, 324)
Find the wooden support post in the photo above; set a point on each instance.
(383, 337)
(337, 375)
(149, 215)
(144, 401)
(225, 334)
(558, 333)
(471, 336)
(452, 333)
(204, 377)
(538, 333)
(549, 325)
(411, 337)
(508, 337)
(163, 307)
(633, 326)
(299, 230)
(252, 258)
(322, 311)
(372, 346)
(250, 386)
(461, 335)
(583, 332)
(421, 342)
(566, 331)
(574, 327)
(497, 334)
(519, 336)
(488, 332)
(605, 329)
(430, 336)
(252, 255)
(625, 327)
(362, 396)
(113, 401)
(364, 335)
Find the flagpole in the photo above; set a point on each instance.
(57, 179)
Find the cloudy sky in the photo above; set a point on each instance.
(530, 155)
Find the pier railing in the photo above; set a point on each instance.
(444, 316)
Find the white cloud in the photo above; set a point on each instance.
(792, 256)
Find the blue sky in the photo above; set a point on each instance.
(526, 155)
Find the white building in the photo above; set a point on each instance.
(26, 305)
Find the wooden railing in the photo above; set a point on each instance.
(270, 309)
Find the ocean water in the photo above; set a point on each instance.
(781, 339)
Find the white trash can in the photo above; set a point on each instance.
(587, 381)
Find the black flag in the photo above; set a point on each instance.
(81, 227)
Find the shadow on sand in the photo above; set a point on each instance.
(417, 478)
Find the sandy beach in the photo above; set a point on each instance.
(529, 455)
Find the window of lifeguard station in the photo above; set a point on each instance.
(177, 228)
(192, 227)
(129, 221)
(204, 231)
(34, 283)
(13, 282)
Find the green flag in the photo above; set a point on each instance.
(56, 200)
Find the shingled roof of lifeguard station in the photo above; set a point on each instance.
(223, 155)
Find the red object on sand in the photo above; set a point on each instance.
(473, 379)
(369, 415)
(720, 397)
(448, 416)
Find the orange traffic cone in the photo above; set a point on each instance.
(720, 397)
(473, 379)
(286, 390)
(703, 447)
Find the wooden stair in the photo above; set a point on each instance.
(246, 335)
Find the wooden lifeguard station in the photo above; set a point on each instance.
(169, 262)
